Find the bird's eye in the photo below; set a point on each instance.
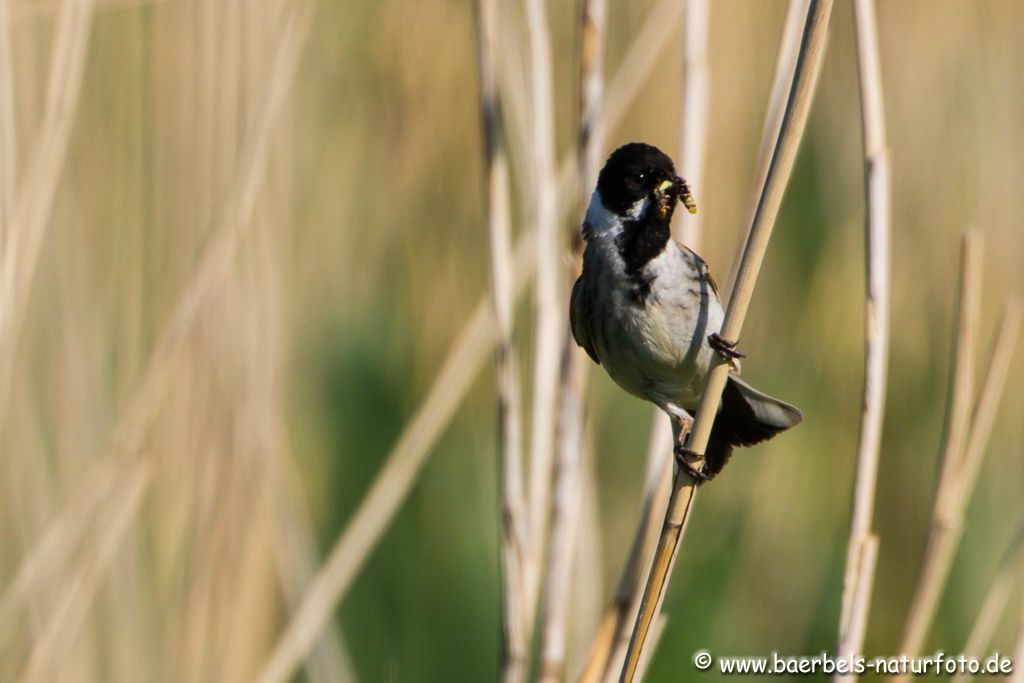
(640, 178)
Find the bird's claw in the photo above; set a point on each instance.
(726, 348)
(685, 457)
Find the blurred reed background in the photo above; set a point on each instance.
(239, 240)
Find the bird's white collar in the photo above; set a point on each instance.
(600, 221)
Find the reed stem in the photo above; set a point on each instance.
(808, 65)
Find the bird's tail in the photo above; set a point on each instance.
(746, 417)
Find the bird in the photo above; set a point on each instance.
(647, 310)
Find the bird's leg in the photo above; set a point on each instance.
(685, 456)
(726, 348)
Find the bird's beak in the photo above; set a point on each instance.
(665, 198)
(671, 189)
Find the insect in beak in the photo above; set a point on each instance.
(675, 188)
(684, 195)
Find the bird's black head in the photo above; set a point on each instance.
(636, 171)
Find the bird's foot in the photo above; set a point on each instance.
(725, 348)
(685, 457)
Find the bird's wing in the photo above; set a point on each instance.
(579, 319)
(705, 272)
(705, 277)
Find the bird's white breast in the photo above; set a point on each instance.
(654, 347)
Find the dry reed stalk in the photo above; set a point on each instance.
(863, 546)
(84, 342)
(201, 643)
(612, 635)
(8, 138)
(296, 558)
(206, 32)
(995, 602)
(657, 631)
(694, 108)
(590, 140)
(954, 438)
(956, 484)
(785, 64)
(631, 75)
(290, 526)
(612, 638)
(392, 482)
(569, 448)
(31, 208)
(608, 648)
(515, 100)
(105, 480)
(252, 325)
(464, 361)
(27, 215)
(643, 54)
(549, 286)
(32, 11)
(588, 578)
(72, 606)
(231, 559)
(496, 199)
(983, 418)
(629, 591)
(811, 55)
(53, 550)
(565, 511)
(655, 32)
(600, 648)
(965, 341)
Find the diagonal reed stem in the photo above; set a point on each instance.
(107, 481)
(72, 606)
(808, 66)
(994, 605)
(965, 438)
(863, 546)
(608, 649)
(26, 218)
(955, 433)
(959, 475)
(28, 214)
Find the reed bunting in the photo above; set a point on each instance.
(646, 309)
